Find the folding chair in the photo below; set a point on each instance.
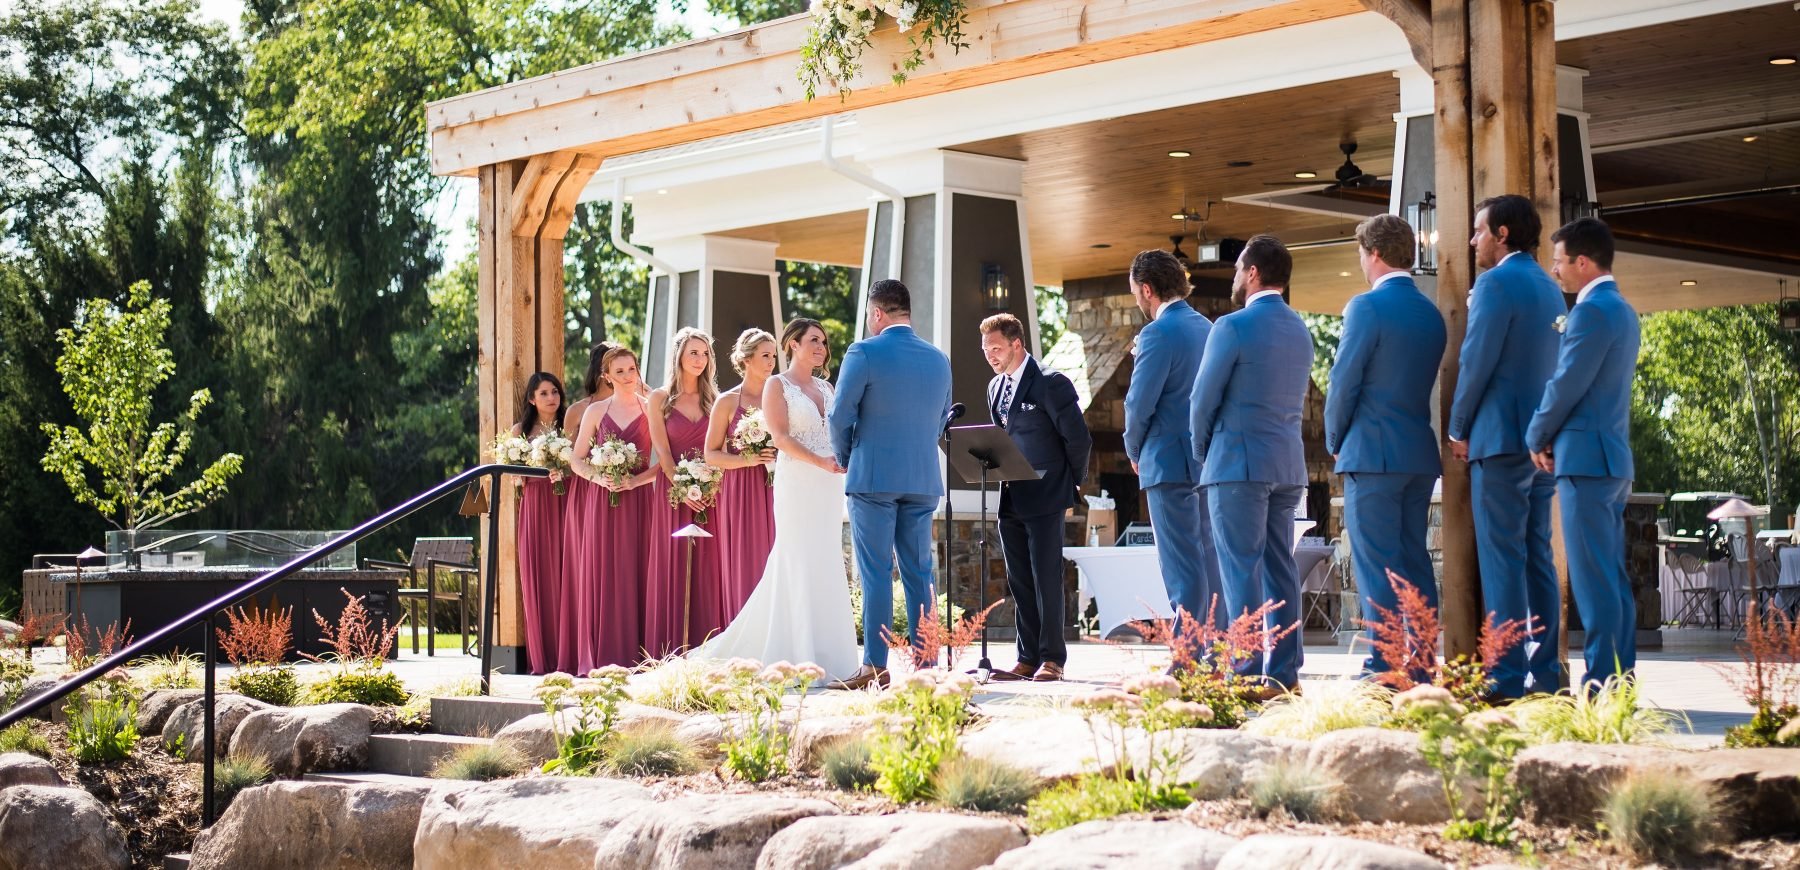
(430, 557)
(1699, 600)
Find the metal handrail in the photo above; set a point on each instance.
(207, 613)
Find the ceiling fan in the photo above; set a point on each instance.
(1349, 176)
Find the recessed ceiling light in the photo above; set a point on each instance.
(628, 199)
(1343, 274)
(1179, 153)
(1306, 173)
(1177, 216)
(1689, 282)
(1782, 60)
(1749, 138)
(662, 190)
(1100, 245)
(1240, 164)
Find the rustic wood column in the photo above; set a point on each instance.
(525, 208)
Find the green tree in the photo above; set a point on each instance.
(112, 362)
(1327, 330)
(748, 12)
(824, 293)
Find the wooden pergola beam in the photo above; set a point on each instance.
(1414, 20)
(745, 80)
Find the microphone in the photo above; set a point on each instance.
(956, 412)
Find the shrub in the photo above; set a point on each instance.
(847, 766)
(355, 640)
(935, 637)
(1480, 746)
(1087, 799)
(374, 688)
(1660, 816)
(1406, 638)
(653, 751)
(1326, 707)
(1610, 713)
(1770, 679)
(15, 672)
(756, 744)
(1203, 658)
(173, 671)
(1301, 790)
(276, 685)
(481, 762)
(583, 732)
(102, 729)
(80, 655)
(235, 773)
(18, 737)
(920, 719)
(1770, 726)
(1152, 705)
(257, 636)
(971, 783)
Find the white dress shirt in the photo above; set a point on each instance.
(1010, 384)
(1399, 273)
(1260, 294)
(1583, 295)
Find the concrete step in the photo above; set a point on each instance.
(479, 716)
(177, 861)
(365, 778)
(414, 754)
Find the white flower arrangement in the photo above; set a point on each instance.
(752, 435)
(616, 460)
(553, 451)
(841, 29)
(695, 481)
(510, 449)
(1560, 323)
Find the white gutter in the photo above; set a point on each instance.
(656, 265)
(897, 243)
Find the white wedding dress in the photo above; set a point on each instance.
(800, 609)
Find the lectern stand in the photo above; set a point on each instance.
(984, 454)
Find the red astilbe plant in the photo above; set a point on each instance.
(1204, 657)
(935, 637)
(355, 640)
(1769, 678)
(34, 627)
(76, 648)
(257, 636)
(1406, 638)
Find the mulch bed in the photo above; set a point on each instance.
(155, 798)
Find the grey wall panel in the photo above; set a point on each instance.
(656, 332)
(984, 230)
(740, 301)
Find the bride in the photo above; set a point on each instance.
(800, 610)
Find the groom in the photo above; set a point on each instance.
(893, 395)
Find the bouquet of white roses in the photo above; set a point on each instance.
(617, 460)
(510, 449)
(752, 435)
(553, 451)
(695, 481)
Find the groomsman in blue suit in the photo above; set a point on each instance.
(1157, 441)
(1582, 434)
(1508, 354)
(893, 397)
(1245, 422)
(1378, 421)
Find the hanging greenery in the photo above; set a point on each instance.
(841, 28)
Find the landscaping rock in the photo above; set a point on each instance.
(1386, 776)
(558, 821)
(299, 740)
(23, 768)
(1053, 747)
(36, 686)
(939, 841)
(1107, 844)
(704, 732)
(188, 721)
(159, 704)
(534, 737)
(1219, 762)
(815, 735)
(8, 628)
(700, 832)
(50, 828)
(301, 825)
(1566, 783)
(1322, 853)
(1759, 788)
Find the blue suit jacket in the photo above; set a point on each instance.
(1378, 410)
(1508, 354)
(1156, 404)
(1249, 395)
(1587, 405)
(893, 394)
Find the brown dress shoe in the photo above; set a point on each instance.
(1049, 672)
(1266, 692)
(864, 676)
(1020, 671)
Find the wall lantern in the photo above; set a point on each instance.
(1423, 217)
(1788, 310)
(993, 287)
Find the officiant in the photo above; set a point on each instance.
(1037, 407)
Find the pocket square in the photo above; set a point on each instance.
(1027, 406)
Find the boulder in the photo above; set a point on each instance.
(23, 768)
(534, 737)
(188, 721)
(1319, 853)
(8, 628)
(702, 832)
(558, 821)
(1218, 762)
(159, 704)
(1386, 776)
(704, 732)
(1106, 844)
(1567, 783)
(814, 735)
(1759, 788)
(299, 740)
(939, 841)
(301, 825)
(38, 685)
(52, 828)
(1055, 748)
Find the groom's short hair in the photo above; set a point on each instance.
(890, 296)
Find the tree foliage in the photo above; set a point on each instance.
(112, 361)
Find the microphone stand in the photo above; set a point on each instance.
(956, 411)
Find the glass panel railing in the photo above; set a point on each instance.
(176, 550)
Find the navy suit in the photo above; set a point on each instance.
(1169, 349)
(1245, 418)
(1043, 418)
(1378, 425)
(1585, 421)
(893, 395)
(1508, 355)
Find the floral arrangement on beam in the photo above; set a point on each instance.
(841, 28)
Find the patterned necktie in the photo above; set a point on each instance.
(1005, 400)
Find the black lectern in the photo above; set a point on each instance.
(983, 454)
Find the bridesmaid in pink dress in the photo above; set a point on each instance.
(606, 555)
(677, 615)
(746, 526)
(541, 525)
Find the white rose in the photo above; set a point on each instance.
(693, 493)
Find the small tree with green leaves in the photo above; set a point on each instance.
(112, 362)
